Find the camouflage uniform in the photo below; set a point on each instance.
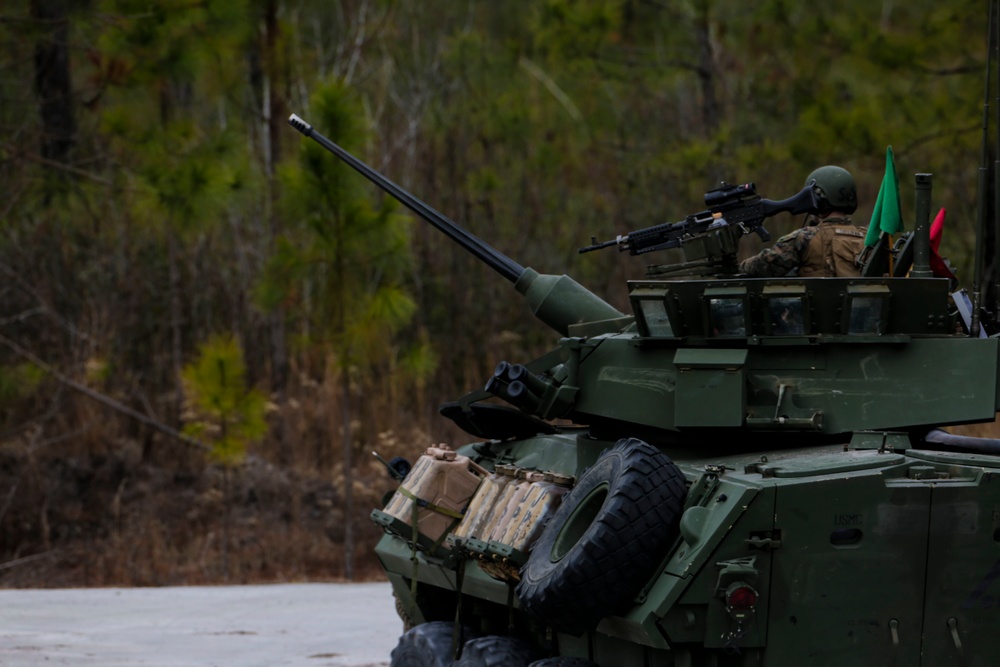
(828, 249)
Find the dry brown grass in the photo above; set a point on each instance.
(108, 505)
(154, 527)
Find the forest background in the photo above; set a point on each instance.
(207, 324)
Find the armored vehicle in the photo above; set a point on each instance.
(741, 471)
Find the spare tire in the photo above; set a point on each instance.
(606, 539)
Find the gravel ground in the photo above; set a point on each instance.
(288, 625)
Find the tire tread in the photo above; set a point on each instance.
(619, 551)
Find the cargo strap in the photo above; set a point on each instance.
(420, 502)
(413, 546)
(457, 640)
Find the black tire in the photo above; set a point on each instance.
(563, 662)
(425, 645)
(606, 539)
(492, 651)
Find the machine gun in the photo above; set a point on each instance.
(710, 238)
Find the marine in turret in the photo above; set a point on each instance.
(829, 243)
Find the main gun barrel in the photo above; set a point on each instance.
(558, 301)
(495, 259)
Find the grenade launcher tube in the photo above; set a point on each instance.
(558, 301)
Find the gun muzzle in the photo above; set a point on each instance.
(300, 125)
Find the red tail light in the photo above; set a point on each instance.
(740, 600)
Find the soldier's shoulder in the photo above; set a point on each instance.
(799, 236)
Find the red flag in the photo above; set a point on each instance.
(938, 266)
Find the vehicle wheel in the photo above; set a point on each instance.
(426, 645)
(563, 662)
(494, 651)
(606, 539)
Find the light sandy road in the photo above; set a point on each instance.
(287, 625)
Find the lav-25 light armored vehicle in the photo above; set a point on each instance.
(739, 472)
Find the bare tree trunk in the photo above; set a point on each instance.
(226, 511)
(346, 436)
(276, 109)
(273, 111)
(346, 440)
(176, 321)
(707, 74)
(274, 114)
(53, 83)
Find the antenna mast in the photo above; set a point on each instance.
(995, 12)
(981, 184)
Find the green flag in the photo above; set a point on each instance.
(887, 216)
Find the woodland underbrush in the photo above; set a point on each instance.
(112, 504)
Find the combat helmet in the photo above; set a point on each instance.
(835, 187)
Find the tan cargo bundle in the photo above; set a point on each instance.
(432, 499)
